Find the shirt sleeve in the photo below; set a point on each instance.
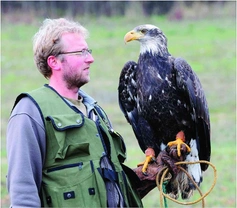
(25, 153)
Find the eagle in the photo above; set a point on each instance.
(163, 100)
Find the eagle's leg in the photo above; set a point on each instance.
(180, 139)
(150, 155)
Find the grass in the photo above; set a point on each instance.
(208, 45)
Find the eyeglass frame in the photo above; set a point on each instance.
(83, 52)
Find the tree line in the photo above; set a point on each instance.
(96, 8)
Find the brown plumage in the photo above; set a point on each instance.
(161, 97)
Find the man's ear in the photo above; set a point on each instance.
(54, 63)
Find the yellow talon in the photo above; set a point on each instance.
(147, 161)
(180, 139)
(149, 155)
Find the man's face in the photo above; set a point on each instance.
(75, 67)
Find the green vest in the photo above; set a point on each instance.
(75, 144)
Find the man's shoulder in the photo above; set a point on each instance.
(25, 105)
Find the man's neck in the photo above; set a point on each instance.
(64, 91)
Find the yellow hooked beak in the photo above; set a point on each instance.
(132, 35)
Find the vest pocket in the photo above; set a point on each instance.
(63, 137)
(73, 185)
(119, 145)
(66, 121)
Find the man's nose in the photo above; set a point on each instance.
(89, 59)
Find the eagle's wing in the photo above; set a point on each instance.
(188, 81)
(127, 91)
(127, 97)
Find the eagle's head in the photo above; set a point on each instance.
(152, 39)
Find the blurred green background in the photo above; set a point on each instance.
(203, 33)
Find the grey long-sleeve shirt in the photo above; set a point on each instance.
(26, 149)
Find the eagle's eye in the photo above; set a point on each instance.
(143, 31)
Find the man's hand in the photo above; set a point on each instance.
(166, 159)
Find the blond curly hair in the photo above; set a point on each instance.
(47, 41)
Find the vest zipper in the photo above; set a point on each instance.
(80, 164)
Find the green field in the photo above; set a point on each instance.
(208, 45)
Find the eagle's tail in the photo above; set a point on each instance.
(194, 169)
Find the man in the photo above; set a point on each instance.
(62, 150)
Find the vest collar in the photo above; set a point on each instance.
(87, 100)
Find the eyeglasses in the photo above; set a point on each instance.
(84, 52)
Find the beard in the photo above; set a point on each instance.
(73, 79)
